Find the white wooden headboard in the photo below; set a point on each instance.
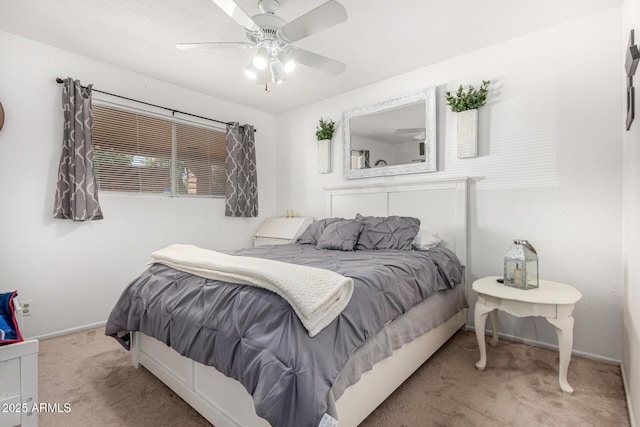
(441, 206)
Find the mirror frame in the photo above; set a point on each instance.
(427, 95)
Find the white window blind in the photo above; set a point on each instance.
(135, 152)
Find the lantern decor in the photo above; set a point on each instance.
(521, 266)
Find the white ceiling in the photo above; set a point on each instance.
(380, 39)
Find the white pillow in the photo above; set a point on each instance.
(426, 239)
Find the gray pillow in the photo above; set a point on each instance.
(313, 232)
(389, 232)
(340, 235)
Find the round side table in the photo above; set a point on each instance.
(551, 300)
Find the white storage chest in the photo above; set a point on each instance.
(19, 381)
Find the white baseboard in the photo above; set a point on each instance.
(554, 347)
(69, 331)
(625, 383)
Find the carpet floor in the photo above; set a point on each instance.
(519, 387)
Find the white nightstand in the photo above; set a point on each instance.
(551, 300)
(278, 231)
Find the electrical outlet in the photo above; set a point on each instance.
(26, 308)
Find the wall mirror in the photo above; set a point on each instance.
(392, 137)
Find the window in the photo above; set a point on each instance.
(141, 153)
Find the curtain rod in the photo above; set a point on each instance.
(60, 81)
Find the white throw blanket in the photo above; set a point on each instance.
(316, 295)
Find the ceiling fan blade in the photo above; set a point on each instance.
(322, 17)
(240, 16)
(213, 45)
(319, 62)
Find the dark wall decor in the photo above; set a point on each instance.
(630, 65)
(1, 116)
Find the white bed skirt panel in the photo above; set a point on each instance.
(224, 402)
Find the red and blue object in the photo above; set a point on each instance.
(9, 332)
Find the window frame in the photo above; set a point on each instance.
(173, 118)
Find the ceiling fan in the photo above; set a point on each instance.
(274, 37)
(415, 133)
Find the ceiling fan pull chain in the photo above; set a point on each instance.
(266, 80)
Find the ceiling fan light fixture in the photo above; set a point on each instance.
(251, 71)
(261, 60)
(288, 64)
(277, 73)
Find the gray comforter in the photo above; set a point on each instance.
(254, 336)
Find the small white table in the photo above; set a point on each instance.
(552, 300)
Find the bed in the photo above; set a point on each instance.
(440, 205)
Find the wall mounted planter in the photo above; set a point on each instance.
(467, 134)
(324, 156)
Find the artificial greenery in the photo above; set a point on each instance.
(469, 99)
(325, 129)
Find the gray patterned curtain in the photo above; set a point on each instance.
(242, 178)
(76, 194)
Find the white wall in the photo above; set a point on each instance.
(549, 168)
(74, 272)
(631, 242)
